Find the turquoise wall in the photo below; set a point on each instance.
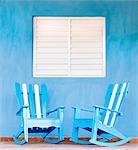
(16, 59)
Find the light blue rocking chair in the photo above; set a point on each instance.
(104, 119)
(34, 115)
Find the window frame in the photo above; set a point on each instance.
(70, 76)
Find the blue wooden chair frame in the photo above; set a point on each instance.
(34, 115)
(102, 124)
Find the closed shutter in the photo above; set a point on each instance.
(72, 47)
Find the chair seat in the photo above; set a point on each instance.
(43, 123)
(42, 119)
(83, 123)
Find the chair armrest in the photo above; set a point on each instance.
(104, 108)
(82, 109)
(20, 110)
(54, 110)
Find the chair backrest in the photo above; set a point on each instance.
(33, 96)
(113, 100)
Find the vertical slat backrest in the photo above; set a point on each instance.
(34, 97)
(110, 104)
(37, 101)
(25, 97)
(32, 101)
(19, 94)
(107, 100)
(114, 102)
(43, 100)
(119, 102)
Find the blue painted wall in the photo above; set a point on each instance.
(16, 59)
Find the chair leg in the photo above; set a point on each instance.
(25, 130)
(26, 134)
(60, 133)
(94, 126)
(50, 140)
(15, 137)
(75, 134)
(75, 137)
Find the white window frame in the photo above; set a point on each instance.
(69, 18)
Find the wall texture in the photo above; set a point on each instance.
(16, 59)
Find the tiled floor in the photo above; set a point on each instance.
(64, 146)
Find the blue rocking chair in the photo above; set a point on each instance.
(102, 125)
(34, 115)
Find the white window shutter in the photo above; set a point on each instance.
(51, 47)
(69, 47)
(87, 55)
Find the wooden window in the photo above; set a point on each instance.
(69, 47)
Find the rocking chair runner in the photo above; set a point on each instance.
(104, 118)
(33, 112)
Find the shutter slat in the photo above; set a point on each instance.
(48, 28)
(91, 56)
(86, 73)
(52, 39)
(52, 50)
(52, 72)
(52, 61)
(52, 44)
(52, 67)
(86, 67)
(52, 56)
(87, 50)
(86, 61)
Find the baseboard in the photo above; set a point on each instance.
(66, 139)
